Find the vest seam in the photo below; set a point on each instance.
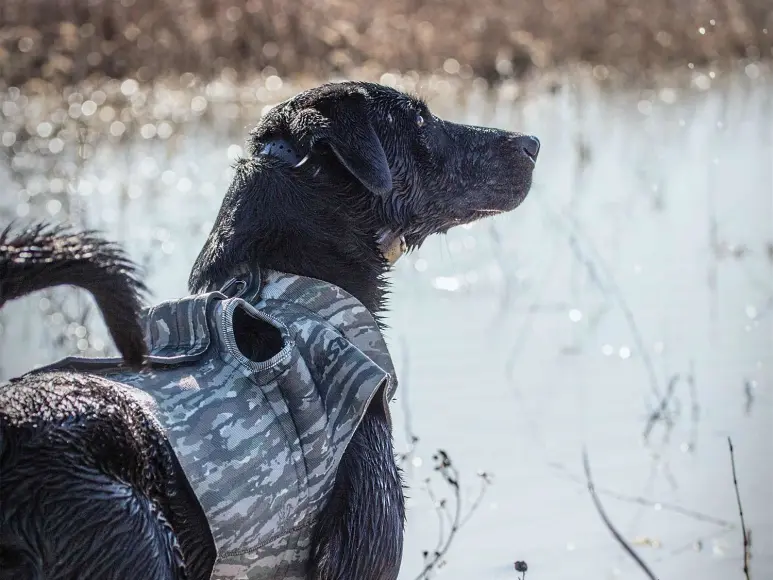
(275, 537)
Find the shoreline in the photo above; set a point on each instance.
(60, 43)
(269, 87)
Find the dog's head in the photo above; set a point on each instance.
(344, 175)
(424, 175)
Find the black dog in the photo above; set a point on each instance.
(369, 162)
(336, 179)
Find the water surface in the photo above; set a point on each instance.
(638, 270)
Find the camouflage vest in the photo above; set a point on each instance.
(259, 442)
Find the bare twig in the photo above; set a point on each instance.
(695, 410)
(455, 516)
(405, 371)
(608, 523)
(522, 333)
(643, 501)
(485, 480)
(508, 292)
(599, 273)
(662, 410)
(695, 545)
(594, 263)
(442, 513)
(746, 542)
(748, 390)
(450, 474)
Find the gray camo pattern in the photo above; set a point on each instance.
(260, 442)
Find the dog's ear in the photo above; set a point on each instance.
(344, 125)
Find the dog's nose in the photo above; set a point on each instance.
(529, 145)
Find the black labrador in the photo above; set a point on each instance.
(338, 181)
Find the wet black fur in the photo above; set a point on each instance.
(80, 481)
(42, 256)
(377, 159)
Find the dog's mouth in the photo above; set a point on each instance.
(392, 245)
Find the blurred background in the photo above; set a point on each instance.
(626, 307)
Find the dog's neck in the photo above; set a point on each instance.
(286, 217)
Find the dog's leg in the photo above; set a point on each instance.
(360, 533)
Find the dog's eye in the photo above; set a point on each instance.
(419, 120)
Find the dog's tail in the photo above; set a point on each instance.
(42, 256)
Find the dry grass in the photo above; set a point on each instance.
(66, 41)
